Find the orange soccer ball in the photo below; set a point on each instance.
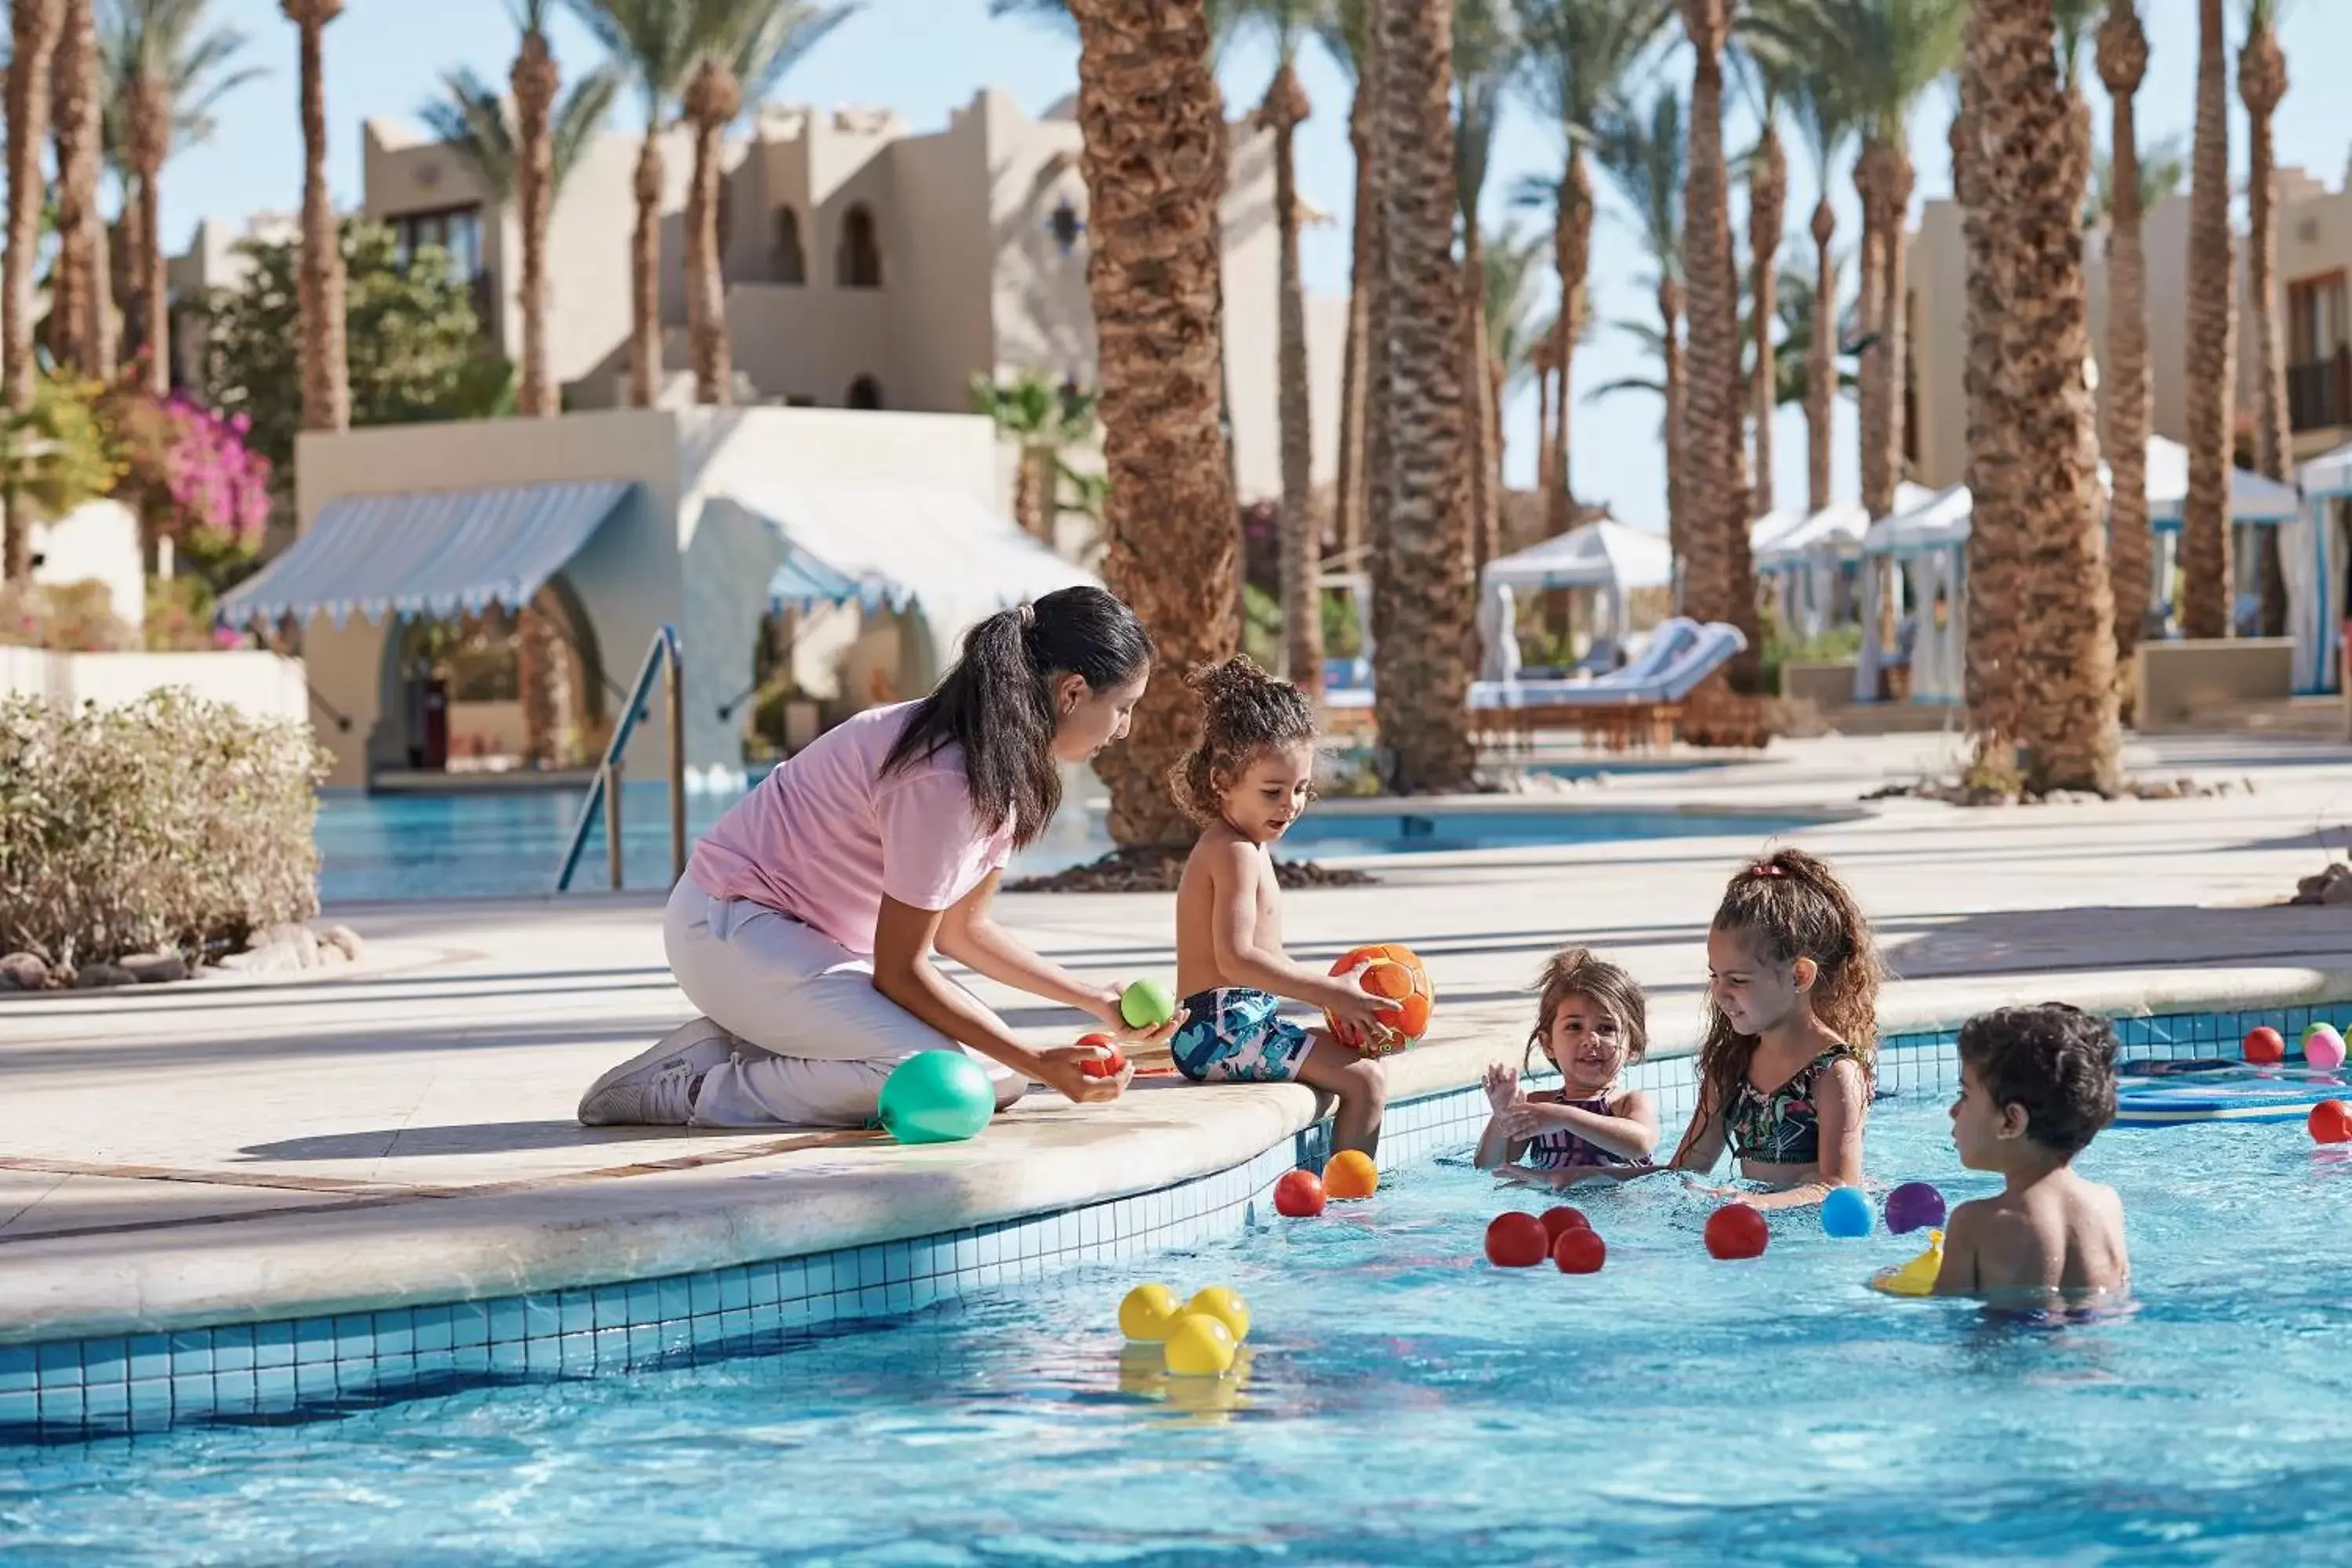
(1394, 971)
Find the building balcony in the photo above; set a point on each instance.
(2319, 394)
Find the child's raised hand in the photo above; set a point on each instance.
(1502, 1085)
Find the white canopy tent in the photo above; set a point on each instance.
(2312, 546)
(1606, 556)
(1801, 568)
(1927, 545)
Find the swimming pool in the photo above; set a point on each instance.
(502, 845)
(1404, 1403)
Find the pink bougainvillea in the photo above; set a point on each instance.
(219, 487)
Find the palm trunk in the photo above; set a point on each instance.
(1379, 466)
(1992, 556)
(713, 98)
(33, 28)
(535, 80)
(81, 324)
(1155, 162)
(2212, 351)
(1870, 389)
(1715, 496)
(1670, 311)
(1029, 495)
(154, 289)
(1543, 428)
(1284, 107)
(1421, 677)
(1767, 191)
(645, 274)
(2262, 83)
(2035, 137)
(1571, 256)
(1349, 486)
(1821, 360)
(2123, 62)
(326, 368)
(1480, 512)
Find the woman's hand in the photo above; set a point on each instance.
(1103, 1005)
(1348, 1003)
(1062, 1069)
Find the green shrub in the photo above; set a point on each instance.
(170, 823)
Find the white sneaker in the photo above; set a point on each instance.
(656, 1088)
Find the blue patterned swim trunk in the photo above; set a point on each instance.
(1234, 1037)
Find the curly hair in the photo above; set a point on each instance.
(1793, 906)
(1576, 972)
(1244, 712)
(2056, 1062)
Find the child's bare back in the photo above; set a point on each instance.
(2060, 1233)
(1223, 869)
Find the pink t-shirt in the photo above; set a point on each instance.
(826, 836)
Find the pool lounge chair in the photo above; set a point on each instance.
(1637, 707)
(1498, 707)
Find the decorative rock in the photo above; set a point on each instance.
(155, 968)
(293, 934)
(2332, 884)
(26, 970)
(102, 976)
(270, 958)
(343, 940)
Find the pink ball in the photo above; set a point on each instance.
(2323, 1049)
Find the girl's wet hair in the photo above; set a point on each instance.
(1787, 906)
(1244, 712)
(1575, 972)
(997, 703)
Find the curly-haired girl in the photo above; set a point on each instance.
(1591, 1023)
(1793, 1032)
(1246, 782)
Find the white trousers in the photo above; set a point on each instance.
(813, 1039)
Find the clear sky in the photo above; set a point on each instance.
(923, 57)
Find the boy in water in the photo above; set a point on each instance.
(2036, 1085)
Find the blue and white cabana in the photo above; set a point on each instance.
(2312, 546)
(1927, 545)
(1608, 557)
(2255, 503)
(1800, 570)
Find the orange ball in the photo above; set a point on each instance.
(1737, 1230)
(1517, 1240)
(1395, 973)
(1579, 1250)
(2330, 1122)
(2264, 1046)
(1350, 1174)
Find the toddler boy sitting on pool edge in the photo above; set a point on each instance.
(2036, 1086)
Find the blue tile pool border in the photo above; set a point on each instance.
(75, 1389)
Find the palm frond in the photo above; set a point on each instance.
(1883, 55)
(1646, 158)
(649, 42)
(762, 40)
(172, 42)
(470, 116)
(580, 118)
(1579, 56)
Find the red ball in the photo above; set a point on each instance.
(1517, 1240)
(1298, 1195)
(1579, 1250)
(1563, 1219)
(1110, 1065)
(2330, 1122)
(2264, 1046)
(1737, 1230)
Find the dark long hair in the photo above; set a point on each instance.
(1793, 906)
(997, 703)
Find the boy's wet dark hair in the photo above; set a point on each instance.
(1244, 712)
(2057, 1062)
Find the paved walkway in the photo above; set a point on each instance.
(178, 1153)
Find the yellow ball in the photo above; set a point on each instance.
(1146, 1313)
(1226, 1306)
(1200, 1346)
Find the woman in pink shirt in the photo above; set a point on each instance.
(803, 928)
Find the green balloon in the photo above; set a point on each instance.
(938, 1096)
(1145, 1005)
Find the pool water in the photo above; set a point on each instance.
(396, 846)
(1404, 1403)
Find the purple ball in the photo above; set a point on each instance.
(1913, 1205)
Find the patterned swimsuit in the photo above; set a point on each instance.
(1562, 1149)
(1781, 1127)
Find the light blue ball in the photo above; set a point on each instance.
(1845, 1213)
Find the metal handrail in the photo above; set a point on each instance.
(661, 658)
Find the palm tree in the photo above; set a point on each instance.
(650, 43)
(1826, 124)
(1422, 670)
(2262, 83)
(1483, 61)
(2212, 342)
(81, 305)
(1043, 421)
(33, 29)
(2028, 203)
(1155, 168)
(1645, 155)
(1578, 55)
(1282, 109)
(2123, 64)
(1514, 329)
(1721, 578)
(1767, 200)
(471, 117)
(326, 366)
(166, 68)
(2158, 170)
(1343, 35)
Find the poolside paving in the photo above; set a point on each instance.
(177, 1152)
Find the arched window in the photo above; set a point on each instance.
(864, 393)
(792, 261)
(859, 263)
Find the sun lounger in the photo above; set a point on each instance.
(1638, 705)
